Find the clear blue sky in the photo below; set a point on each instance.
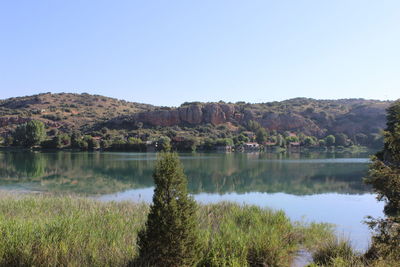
(168, 52)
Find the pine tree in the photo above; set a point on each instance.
(384, 176)
(170, 237)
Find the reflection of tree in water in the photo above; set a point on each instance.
(92, 173)
(25, 165)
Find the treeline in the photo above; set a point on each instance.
(203, 138)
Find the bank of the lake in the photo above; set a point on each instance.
(39, 230)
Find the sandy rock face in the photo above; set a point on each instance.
(159, 117)
(214, 114)
(192, 114)
(366, 118)
(291, 122)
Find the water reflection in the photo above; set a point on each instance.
(105, 173)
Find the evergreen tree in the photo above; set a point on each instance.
(384, 176)
(170, 236)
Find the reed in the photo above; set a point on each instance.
(38, 230)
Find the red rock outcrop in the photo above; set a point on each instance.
(159, 117)
(291, 122)
(193, 114)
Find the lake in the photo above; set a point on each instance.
(321, 187)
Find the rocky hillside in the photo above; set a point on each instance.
(309, 116)
(84, 112)
(64, 110)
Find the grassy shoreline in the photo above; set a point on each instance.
(71, 231)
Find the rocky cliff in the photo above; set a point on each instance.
(312, 117)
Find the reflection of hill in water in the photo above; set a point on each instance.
(101, 173)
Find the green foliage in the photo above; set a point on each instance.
(241, 139)
(250, 236)
(189, 143)
(322, 142)
(64, 231)
(280, 141)
(41, 230)
(336, 252)
(292, 139)
(341, 139)
(309, 141)
(53, 143)
(29, 134)
(384, 176)
(170, 236)
(253, 126)
(261, 135)
(134, 141)
(361, 139)
(330, 140)
(385, 171)
(164, 143)
(103, 117)
(76, 139)
(212, 144)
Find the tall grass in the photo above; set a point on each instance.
(67, 231)
(61, 231)
(339, 253)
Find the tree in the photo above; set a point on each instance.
(309, 141)
(92, 143)
(29, 134)
(240, 139)
(164, 143)
(330, 140)
(361, 139)
(55, 142)
(261, 135)
(280, 141)
(253, 126)
(223, 142)
(322, 142)
(385, 171)
(384, 176)
(76, 139)
(341, 139)
(292, 139)
(170, 237)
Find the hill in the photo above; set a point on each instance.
(358, 120)
(64, 111)
(309, 116)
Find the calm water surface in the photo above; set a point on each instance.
(309, 187)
